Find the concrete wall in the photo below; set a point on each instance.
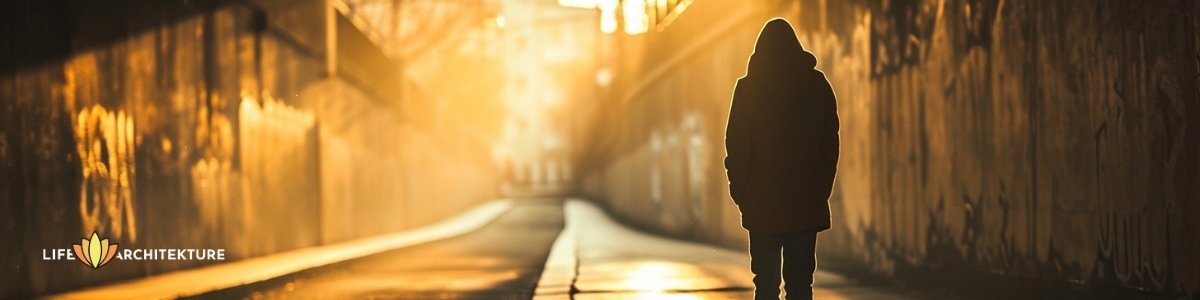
(657, 146)
(202, 125)
(985, 143)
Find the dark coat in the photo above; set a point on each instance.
(782, 138)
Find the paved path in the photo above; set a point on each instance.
(519, 249)
(611, 261)
(238, 273)
(502, 260)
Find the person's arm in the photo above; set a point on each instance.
(738, 144)
(832, 125)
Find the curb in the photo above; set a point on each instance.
(192, 282)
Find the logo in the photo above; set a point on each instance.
(95, 252)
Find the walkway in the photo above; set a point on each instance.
(520, 249)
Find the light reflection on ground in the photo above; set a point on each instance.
(616, 262)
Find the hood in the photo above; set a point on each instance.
(778, 52)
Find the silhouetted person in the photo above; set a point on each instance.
(781, 156)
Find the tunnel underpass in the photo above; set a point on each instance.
(574, 149)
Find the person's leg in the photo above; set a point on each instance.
(764, 263)
(799, 263)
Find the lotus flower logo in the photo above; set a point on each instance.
(95, 252)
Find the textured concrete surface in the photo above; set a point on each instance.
(995, 144)
(204, 124)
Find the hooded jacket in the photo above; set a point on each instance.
(781, 142)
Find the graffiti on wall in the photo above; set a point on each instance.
(105, 144)
(986, 139)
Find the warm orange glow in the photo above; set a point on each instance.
(578, 3)
(603, 77)
(500, 21)
(636, 19)
(608, 15)
(654, 276)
